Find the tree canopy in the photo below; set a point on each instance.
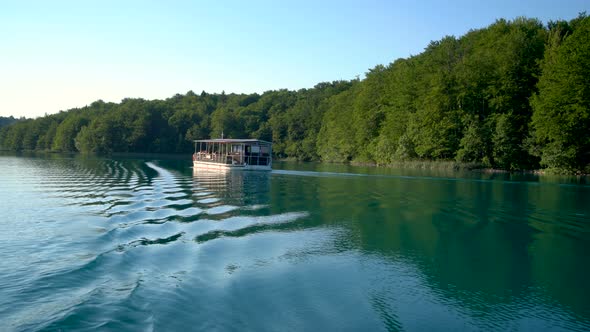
(561, 118)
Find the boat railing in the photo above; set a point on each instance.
(212, 157)
(231, 158)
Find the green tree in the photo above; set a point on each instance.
(476, 144)
(561, 118)
(335, 141)
(67, 131)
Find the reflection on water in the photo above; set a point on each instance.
(136, 244)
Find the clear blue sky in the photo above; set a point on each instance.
(55, 55)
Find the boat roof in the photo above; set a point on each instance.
(231, 140)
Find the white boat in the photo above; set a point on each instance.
(232, 154)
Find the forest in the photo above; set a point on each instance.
(514, 95)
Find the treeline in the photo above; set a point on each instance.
(514, 95)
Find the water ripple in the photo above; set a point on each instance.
(124, 244)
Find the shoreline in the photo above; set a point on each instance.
(408, 164)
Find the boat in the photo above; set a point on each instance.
(232, 154)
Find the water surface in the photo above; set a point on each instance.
(147, 244)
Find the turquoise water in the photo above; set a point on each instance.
(134, 243)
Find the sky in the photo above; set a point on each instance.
(56, 55)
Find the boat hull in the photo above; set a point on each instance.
(229, 167)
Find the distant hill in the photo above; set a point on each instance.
(5, 121)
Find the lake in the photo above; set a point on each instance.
(145, 243)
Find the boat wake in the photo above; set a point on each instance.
(140, 224)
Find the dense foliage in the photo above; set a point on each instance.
(514, 95)
(561, 118)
